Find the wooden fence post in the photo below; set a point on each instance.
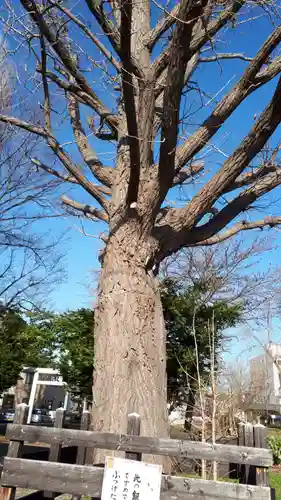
(133, 429)
(260, 442)
(55, 449)
(247, 473)
(15, 448)
(241, 472)
(81, 451)
(262, 476)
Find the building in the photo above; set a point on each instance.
(266, 378)
(40, 388)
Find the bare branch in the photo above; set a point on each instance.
(103, 174)
(164, 24)
(178, 58)
(188, 173)
(205, 34)
(55, 173)
(249, 82)
(241, 226)
(180, 230)
(244, 154)
(243, 202)
(85, 209)
(95, 7)
(226, 55)
(129, 100)
(249, 177)
(70, 63)
(47, 102)
(76, 172)
(89, 33)
(30, 127)
(113, 35)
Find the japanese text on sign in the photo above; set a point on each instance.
(130, 480)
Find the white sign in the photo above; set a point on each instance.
(130, 480)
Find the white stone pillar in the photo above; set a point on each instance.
(65, 403)
(32, 396)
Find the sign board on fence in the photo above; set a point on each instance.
(130, 480)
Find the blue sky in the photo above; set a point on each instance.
(81, 261)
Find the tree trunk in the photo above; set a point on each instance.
(130, 346)
(189, 410)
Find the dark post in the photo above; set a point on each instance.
(133, 429)
(15, 448)
(81, 452)
(241, 442)
(55, 449)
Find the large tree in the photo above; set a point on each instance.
(148, 64)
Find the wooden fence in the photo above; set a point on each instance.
(79, 479)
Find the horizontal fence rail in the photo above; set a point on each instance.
(85, 480)
(139, 444)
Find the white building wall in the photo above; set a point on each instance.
(265, 375)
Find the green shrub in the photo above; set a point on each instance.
(274, 443)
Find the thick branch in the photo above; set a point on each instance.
(178, 59)
(75, 171)
(113, 35)
(47, 103)
(103, 174)
(237, 228)
(69, 62)
(89, 33)
(206, 33)
(178, 225)
(188, 173)
(129, 100)
(236, 163)
(30, 127)
(163, 25)
(230, 55)
(55, 173)
(250, 81)
(85, 209)
(81, 96)
(250, 177)
(238, 205)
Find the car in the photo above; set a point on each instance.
(40, 416)
(9, 415)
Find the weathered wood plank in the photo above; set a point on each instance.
(133, 429)
(81, 452)
(55, 450)
(260, 441)
(85, 480)
(139, 444)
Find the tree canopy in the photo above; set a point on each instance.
(67, 341)
(13, 348)
(20, 346)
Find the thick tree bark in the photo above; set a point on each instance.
(130, 345)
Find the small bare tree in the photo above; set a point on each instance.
(145, 57)
(230, 271)
(29, 261)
